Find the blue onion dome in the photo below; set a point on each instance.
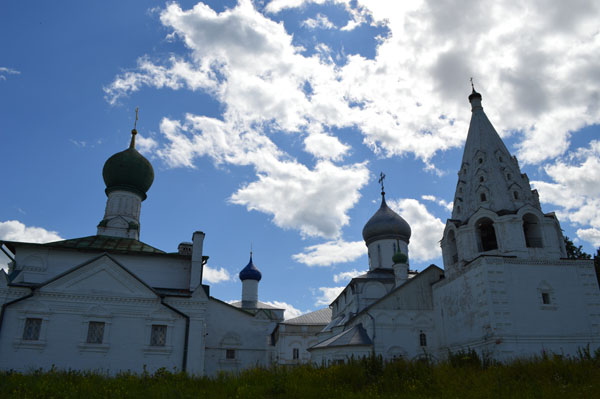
(250, 272)
(384, 224)
(128, 170)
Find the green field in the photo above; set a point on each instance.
(464, 375)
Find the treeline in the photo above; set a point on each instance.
(463, 375)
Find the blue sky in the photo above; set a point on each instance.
(268, 122)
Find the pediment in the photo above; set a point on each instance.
(101, 276)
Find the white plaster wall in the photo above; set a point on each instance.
(381, 253)
(496, 306)
(300, 337)
(228, 327)
(64, 331)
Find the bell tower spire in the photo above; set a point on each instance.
(495, 210)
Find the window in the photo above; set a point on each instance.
(422, 339)
(500, 159)
(482, 197)
(516, 195)
(32, 329)
(95, 333)
(509, 176)
(158, 335)
(458, 209)
(480, 160)
(545, 298)
(230, 354)
(295, 353)
(481, 179)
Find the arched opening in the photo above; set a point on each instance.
(482, 197)
(516, 194)
(452, 249)
(532, 231)
(486, 235)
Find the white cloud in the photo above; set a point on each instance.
(411, 98)
(328, 294)
(331, 252)
(145, 145)
(290, 311)
(216, 275)
(324, 146)
(320, 21)
(275, 6)
(575, 187)
(440, 201)
(347, 276)
(426, 229)
(13, 230)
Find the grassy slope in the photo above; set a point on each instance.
(462, 377)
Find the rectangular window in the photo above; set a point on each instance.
(545, 298)
(158, 336)
(230, 354)
(295, 353)
(95, 333)
(31, 332)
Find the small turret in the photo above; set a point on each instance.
(250, 276)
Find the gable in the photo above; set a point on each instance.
(99, 276)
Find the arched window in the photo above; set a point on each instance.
(532, 231)
(516, 194)
(486, 235)
(422, 339)
(482, 197)
(452, 249)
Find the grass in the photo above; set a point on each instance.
(463, 375)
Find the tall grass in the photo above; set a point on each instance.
(463, 375)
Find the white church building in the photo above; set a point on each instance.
(110, 302)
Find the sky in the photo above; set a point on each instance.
(269, 122)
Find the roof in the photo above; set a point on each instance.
(356, 336)
(318, 317)
(259, 305)
(99, 243)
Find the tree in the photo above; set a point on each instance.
(574, 252)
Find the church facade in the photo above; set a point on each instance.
(112, 303)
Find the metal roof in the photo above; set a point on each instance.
(318, 317)
(356, 336)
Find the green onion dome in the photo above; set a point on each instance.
(399, 257)
(129, 171)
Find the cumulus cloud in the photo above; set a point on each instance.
(145, 145)
(347, 276)
(216, 275)
(575, 188)
(440, 201)
(331, 252)
(319, 21)
(13, 230)
(426, 229)
(328, 294)
(535, 64)
(290, 311)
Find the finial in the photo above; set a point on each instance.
(381, 177)
(472, 86)
(250, 250)
(134, 130)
